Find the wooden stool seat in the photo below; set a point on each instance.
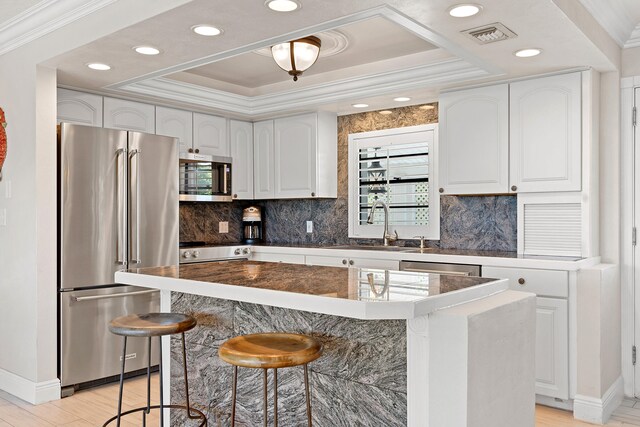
(270, 350)
(152, 324)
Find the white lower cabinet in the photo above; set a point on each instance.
(333, 261)
(552, 323)
(275, 257)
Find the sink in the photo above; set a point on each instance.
(376, 248)
(421, 251)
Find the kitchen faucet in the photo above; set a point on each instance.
(386, 236)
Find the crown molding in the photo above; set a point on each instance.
(634, 39)
(43, 18)
(613, 17)
(439, 73)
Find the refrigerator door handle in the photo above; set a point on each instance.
(136, 259)
(120, 208)
(124, 294)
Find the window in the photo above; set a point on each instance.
(398, 167)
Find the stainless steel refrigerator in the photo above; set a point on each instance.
(118, 209)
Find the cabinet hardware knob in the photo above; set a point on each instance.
(197, 150)
(313, 194)
(350, 262)
(190, 150)
(235, 196)
(441, 190)
(344, 261)
(521, 281)
(514, 188)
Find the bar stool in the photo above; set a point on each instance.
(270, 351)
(148, 326)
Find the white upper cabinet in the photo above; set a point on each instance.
(175, 123)
(305, 156)
(474, 141)
(79, 108)
(263, 162)
(546, 134)
(210, 135)
(241, 135)
(129, 115)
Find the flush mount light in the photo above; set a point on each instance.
(282, 5)
(296, 56)
(99, 66)
(402, 99)
(464, 10)
(427, 107)
(385, 112)
(146, 50)
(359, 105)
(206, 30)
(528, 53)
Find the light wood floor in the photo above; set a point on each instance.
(90, 408)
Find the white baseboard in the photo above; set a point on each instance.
(598, 411)
(566, 405)
(29, 391)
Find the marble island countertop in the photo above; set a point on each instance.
(349, 292)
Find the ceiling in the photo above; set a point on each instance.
(10, 9)
(620, 18)
(386, 49)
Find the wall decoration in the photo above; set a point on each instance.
(3, 140)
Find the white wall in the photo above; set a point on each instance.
(631, 62)
(28, 330)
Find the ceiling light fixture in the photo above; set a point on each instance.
(296, 56)
(99, 66)
(402, 99)
(282, 5)
(385, 112)
(146, 50)
(464, 10)
(528, 53)
(206, 30)
(359, 105)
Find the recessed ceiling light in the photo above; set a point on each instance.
(402, 99)
(464, 10)
(385, 112)
(206, 30)
(146, 50)
(359, 105)
(527, 53)
(427, 107)
(99, 66)
(282, 5)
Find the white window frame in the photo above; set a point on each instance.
(358, 231)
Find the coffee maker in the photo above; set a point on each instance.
(252, 225)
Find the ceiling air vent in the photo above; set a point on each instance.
(490, 33)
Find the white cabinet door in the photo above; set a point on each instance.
(295, 155)
(286, 258)
(242, 153)
(129, 115)
(79, 108)
(175, 123)
(210, 135)
(474, 141)
(552, 348)
(263, 172)
(383, 264)
(546, 134)
(327, 261)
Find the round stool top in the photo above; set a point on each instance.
(152, 324)
(270, 350)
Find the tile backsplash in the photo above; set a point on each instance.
(466, 222)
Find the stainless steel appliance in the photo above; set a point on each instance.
(440, 268)
(118, 209)
(190, 253)
(205, 178)
(252, 225)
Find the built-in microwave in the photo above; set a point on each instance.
(205, 178)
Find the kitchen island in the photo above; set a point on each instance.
(400, 348)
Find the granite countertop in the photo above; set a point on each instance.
(345, 292)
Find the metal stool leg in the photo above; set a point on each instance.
(306, 389)
(148, 410)
(275, 397)
(264, 402)
(233, 396)
(124, 358)
(161, 386)
(186, 381)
